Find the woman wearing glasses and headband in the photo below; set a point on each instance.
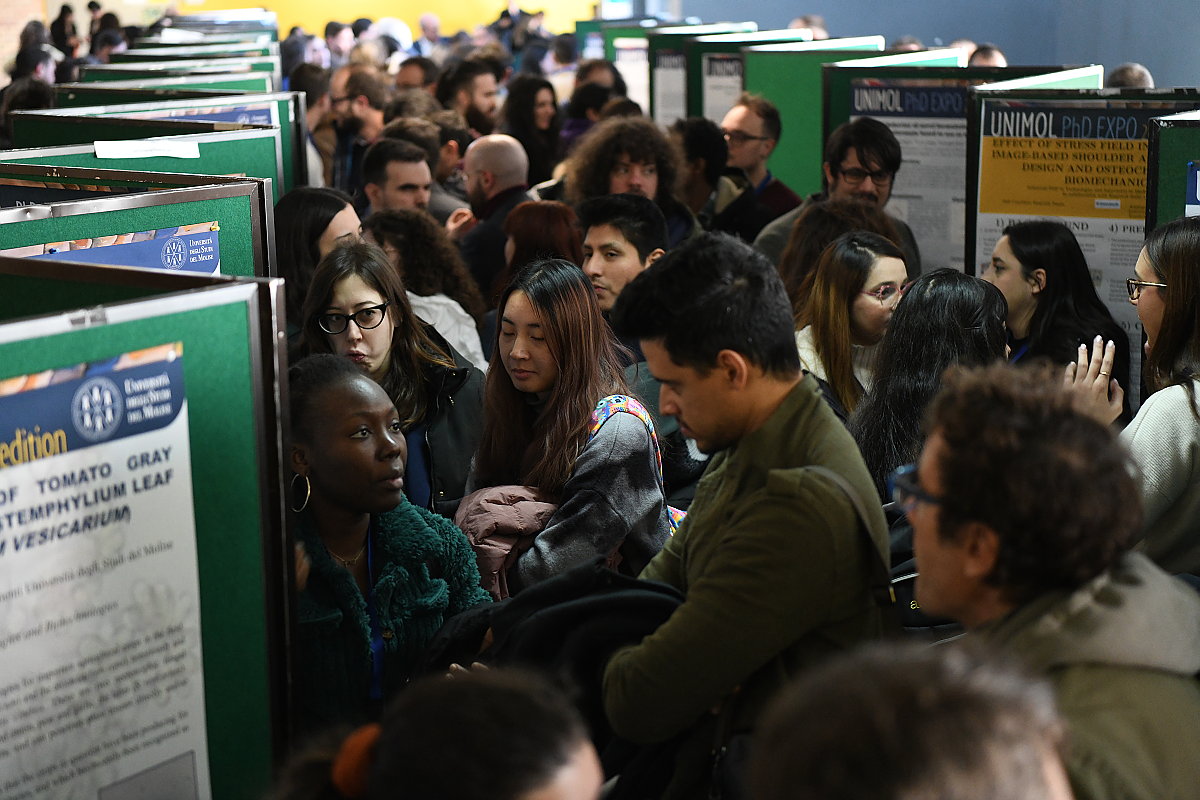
(1164, 437)
(1052, 303)
(356, 307)
(848, 302)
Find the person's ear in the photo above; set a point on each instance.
(655, 255)
(981, 550)
(734, 367)
(374, 194)
(299, 460)
(828, 175)
(1037, 280)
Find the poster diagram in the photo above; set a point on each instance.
(929, 120)
(188, 248)
(102, 691)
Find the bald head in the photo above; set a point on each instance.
(502, 157)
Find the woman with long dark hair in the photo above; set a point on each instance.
(530, 115)
(440, 289)
(1164, 437)
(848, 301)
(554, 360)
(357, 307)
(945, 318)
(377, 576)
(1052, 303)
(309, 222)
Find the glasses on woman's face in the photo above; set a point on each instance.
(903, 489)
(1134, 287)
(888, 293)
(365, 318)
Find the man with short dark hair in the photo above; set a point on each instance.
(396, 175)
(861, 160)
(357, 97)
(1023, 511)
(908, 723)
(313, 81)
(339, 39)
(470, 88)
(752, 129)
(427, 136)
(773, 560)
(417, 72)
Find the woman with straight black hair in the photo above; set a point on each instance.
(531, 116)
(945, 318)
(555, 361)
(848, 300)
(1052, 303)
(309, 222)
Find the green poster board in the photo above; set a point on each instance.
(668, 65)
(192, 39)
(1089, 77)
(233, 22)
(250, 153)
(1173, 158)
(90, 73)
(236, 82)
(231, 377)
(789, 75)
(80, 95)
(203, 51)
(138, 202)
(282, 109)
(702, 54)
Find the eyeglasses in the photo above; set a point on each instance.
(335, 100)
(741, 137)
(1134, 287)
(856, 175)
(365, 318)
(888, 293)
(904, 491)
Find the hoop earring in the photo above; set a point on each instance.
(307, 492)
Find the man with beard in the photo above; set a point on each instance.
(497, 169)
(861, 160)
(357, 96)
(470, 88)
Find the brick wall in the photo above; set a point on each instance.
(16, 13)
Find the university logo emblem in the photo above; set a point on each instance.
(97, 409)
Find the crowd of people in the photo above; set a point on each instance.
(549, 357)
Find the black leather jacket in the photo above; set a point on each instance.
(454, 424)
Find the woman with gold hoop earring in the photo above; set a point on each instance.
(378, 576)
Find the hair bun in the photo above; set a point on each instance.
(353, 762)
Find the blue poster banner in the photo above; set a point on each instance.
(74, 408)
(176, 249)
(880, 99)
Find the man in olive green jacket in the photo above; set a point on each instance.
(773, 559)
(1022, 510)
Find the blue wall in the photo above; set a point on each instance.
(1105, 32)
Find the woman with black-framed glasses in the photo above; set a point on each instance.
(1164, 437)
(357, 307)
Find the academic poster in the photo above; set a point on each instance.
(1082, 164)
(1191, 206)
(670, 86)
(929, 120)
(723, 75)
(102, 690)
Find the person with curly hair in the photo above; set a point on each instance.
(631, 155)
(439, 288)
(1023, 510)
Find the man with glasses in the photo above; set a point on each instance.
(861, 161)
(357, 97)
(1023, 512)
(752, 129)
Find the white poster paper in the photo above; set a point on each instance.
(102, 691)
(722, 83)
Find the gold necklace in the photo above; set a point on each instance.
(348, 562)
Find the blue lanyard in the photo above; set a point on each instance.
(1015, 357)
(376, 629)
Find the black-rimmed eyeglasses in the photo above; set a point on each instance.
(856, 175)
(905, 491)
(365, 318)
(1134, 287)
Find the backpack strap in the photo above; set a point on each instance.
(881, 577)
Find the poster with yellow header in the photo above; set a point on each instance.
(1082, 162)
(101, 689)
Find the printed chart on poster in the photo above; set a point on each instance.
(929, 192)
(102, 691)
(1084, 165)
